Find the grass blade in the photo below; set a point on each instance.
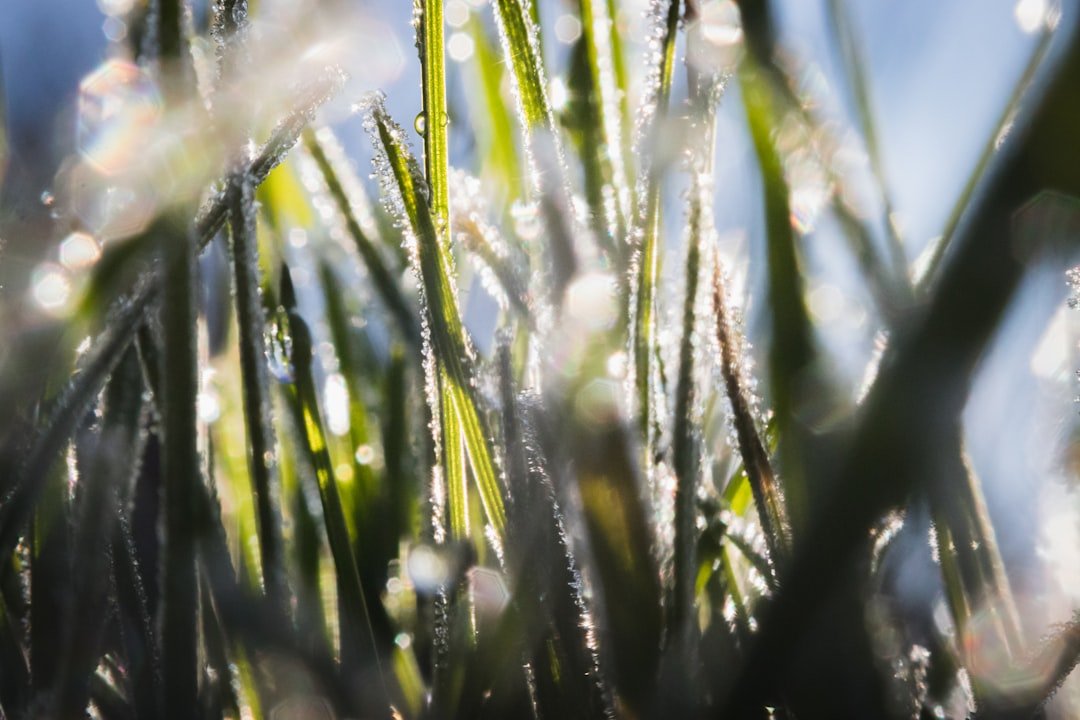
(645, 268)
(685, 455)
(520, 40)
(494, 125)
(791, 351)
(386, 286)
(357, 634)
(251, 321)
(751, 448)
(449, 343)
(181, 473)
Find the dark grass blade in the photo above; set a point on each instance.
(923, 383)
(792, 354)
(181, 467)
(751, 447)
(115, 445)
(549, 609)
(181, 473)
(360, 652)
(123, 320)
(251, 323)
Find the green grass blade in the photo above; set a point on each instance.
(429, 41)
(357, 634)
(520, 40)
(402, 182)
(622, 91)
(607, 82)
(251, 323)
(493, 120)
(792, 352)
(647, 224)
(388, 289)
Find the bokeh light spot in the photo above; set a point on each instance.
(118, 104)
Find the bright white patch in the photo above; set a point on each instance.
(567, 29)
(336, 402)
(460, 47)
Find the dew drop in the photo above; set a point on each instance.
(279, 350)
(420, 124)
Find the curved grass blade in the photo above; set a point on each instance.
(402, 185)
(63, 416)
(386, 286)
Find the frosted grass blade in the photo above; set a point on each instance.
(251, 321)
(685, 436)
(759, 472)
(645, 267)
(521, 47)
(386, 286)
(402, 185)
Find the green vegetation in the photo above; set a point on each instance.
(281, 479)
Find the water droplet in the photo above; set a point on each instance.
(279, 349)
(420, 124)
(47, 198)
